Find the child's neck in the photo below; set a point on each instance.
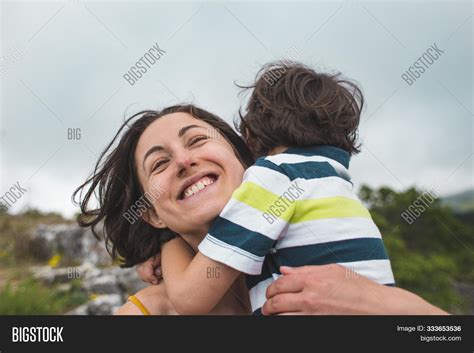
(276, 150)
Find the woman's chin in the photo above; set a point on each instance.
(202, 217)
(207, 213)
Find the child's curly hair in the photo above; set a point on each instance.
(293, 105)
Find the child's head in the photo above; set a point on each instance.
(292, 105)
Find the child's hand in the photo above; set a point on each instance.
(150, 270)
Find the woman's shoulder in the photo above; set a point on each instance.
(153, 298)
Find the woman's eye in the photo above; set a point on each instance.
(197, 139)
(158, 164)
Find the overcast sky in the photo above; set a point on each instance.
(62, 66)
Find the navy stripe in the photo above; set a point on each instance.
(349, 250)
(303, 170)
(327, 151)
(243, 238)
(262, 162)
(309, 170)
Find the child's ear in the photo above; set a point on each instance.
(152, 218)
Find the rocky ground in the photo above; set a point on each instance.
(107, 285)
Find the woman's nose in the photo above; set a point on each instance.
(183, 162)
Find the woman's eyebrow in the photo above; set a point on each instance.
(151, 151)
(183, 130)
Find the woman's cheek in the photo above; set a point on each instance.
(158, 190)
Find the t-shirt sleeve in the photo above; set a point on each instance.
(256, 216)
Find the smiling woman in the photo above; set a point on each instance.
(140, 164)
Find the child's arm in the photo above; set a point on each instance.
(194, 283)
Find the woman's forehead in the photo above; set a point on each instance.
(175, 121)
(169, 127)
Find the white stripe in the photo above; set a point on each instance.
(253, 219)
(379, 271)
(328, 230)
(324, 187)
(278, 183)
(297, 158)
(231, 256)
(268, 179)
(258, 292)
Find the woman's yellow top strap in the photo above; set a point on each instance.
(139, 304)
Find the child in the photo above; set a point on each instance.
(295, 205)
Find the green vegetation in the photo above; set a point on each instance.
(430, 256)
(29, 297)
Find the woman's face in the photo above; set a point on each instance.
(190, 171)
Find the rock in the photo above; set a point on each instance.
(88, 271)
(105, 304)
(106, 284)
(128, 280)
(80, 310)
(39, 247)
(75, 244)
(64, 288)
(85, 270)
(49, 275)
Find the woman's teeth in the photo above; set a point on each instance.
(195, 188)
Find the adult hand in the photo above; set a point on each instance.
(334, 289)
(150, 270)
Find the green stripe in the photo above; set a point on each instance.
(328, 207)
(261, 199)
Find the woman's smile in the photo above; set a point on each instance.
(197, 185)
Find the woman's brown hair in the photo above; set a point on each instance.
(115, 185)
(292, 105)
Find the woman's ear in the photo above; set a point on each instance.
(152, 218)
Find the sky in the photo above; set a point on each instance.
(62, 67)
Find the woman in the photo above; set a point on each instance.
(140, 186)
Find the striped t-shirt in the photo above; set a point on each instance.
(296, 208)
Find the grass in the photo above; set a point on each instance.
(29, 297)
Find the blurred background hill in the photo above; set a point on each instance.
(460, 203)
